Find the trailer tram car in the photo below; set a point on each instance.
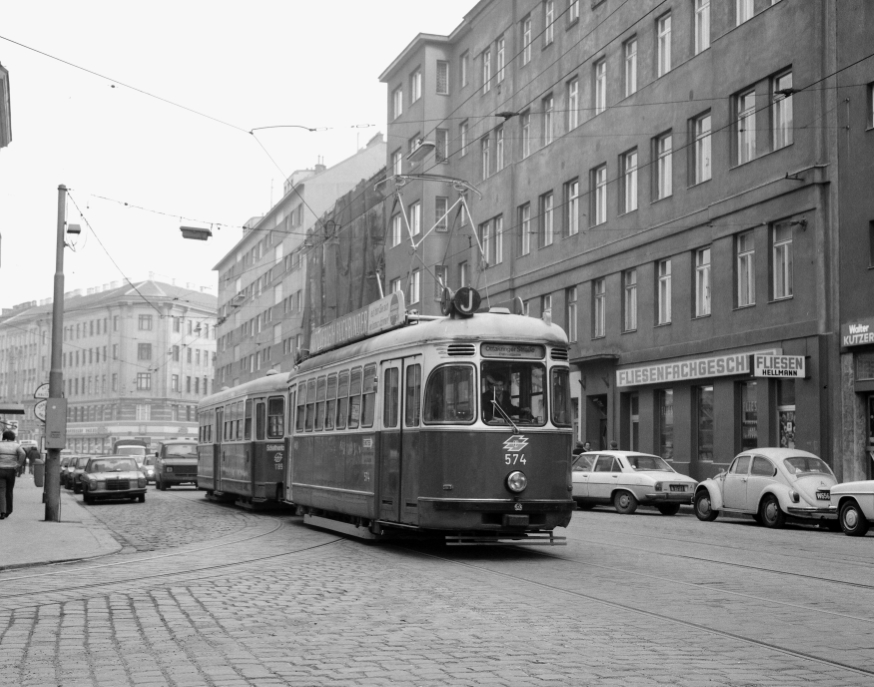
(458, 427)
(242, 449)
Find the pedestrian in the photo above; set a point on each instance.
(578, 449)
(614, 445)
(33, 455)
(587, 447)
(11, 466)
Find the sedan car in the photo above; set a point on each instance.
(627, 479)
(772, 485)
(148, 468)
(854, 504)
(113, 477)
(74, 472)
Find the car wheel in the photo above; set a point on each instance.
(852, 519)
(624, 502)
(771, 514)
(704, 508)
(77, 489)
(141, 498)
(160, 485)
(86, 497)
(669, 508)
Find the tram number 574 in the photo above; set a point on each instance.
(514, 458)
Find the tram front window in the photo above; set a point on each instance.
(513, 392)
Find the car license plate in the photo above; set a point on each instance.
(823, 496)
(678, 487)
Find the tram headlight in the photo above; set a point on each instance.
(517, 481)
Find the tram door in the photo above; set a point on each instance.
(400, 382)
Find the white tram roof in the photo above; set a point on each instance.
(271, 383)
(495, 327)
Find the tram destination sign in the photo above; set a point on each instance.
(382, 315)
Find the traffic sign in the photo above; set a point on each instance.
(39, 410)
(42, 391)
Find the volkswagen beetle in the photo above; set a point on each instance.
(773, 485)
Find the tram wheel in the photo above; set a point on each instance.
(669, 508)
(704, 507)
(771, 514)
(852, 519)
(624, 502)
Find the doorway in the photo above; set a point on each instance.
(596, 417)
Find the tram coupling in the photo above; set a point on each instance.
(523, 538)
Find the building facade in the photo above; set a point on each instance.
(5, 108)
(665, 181)
(262, 280)
(136, 360)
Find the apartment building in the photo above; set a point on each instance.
(136, 360)
(5, 108)
(666, 180)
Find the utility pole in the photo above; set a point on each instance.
(56, 410)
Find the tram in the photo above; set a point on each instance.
(456, 426)
(242, 448)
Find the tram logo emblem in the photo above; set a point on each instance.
(516, 443)
(278, 457)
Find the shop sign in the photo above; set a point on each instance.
(765, 365)
(380, 316)
(699, 368)
(858, 333)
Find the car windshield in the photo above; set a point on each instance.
(648, 463)
(180, 450)
(800, 465)
(112, 465)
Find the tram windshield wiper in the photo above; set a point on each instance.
(506, 417)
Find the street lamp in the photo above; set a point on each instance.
(195, 233)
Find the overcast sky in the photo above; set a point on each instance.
(138, 166)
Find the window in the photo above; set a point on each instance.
(572, 206)
(701, 163)
(547, 226)
(571, 313)
(145, 323)
(781, 112)
(548, 21)
(665, 404)
(526, 40)
(486, 239)
(702, 25)
(174, 382)
(397, 230)
(702, 282)
(499, 149)
(415, 286)
(391, 397)
(746, 127)
(449, 395)
(630, 50)
(599, 308)
(499, 240)
(144, 381)
(442, 77)
(745, 251)
(415, 85)
(441, 207)
(599, 92)
(871, 249)
(144, 413)
(628, 165)
(465, 63)
(629, 300)
(463, 274)
(115, 351)
(395, 285)
(354, 416)
(744, 11)
(487, 70)
(870, 116)
(749, 421)
(704, 398)
(599, 195)
(501, 58)
(416, 218)
(439, 281)
(573, 11)
(397, 99)
(525, 227)
(548, 107)
(525, 120)
(144, 351)
(573, 104)
(663, 304)
(782, 259)
(486, 148)
(114, 381)
(441, 150)
(664, 169)
(463, 137)
(663, 57)
(546, 305)
(397, 162)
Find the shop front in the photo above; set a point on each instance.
(857, 421)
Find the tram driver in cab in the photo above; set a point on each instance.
(496, 391)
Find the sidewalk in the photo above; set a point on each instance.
(27, 539)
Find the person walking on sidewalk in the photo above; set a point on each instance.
(33, 455)
(11, 465)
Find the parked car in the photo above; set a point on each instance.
(854, 504)
(113, 477)
(74, 472)
(628, 479)
(65, 462)
(773, 485)
(148, 468)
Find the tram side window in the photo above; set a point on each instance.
(291, 410)
(238, 420)
(247, 425)
(391, 397)
(275, 417)
(354, 398)
(368, 402)
(342, 398)
(449, 395)
(301, 407)
(413, 396)
(561, 397)
(331, 410)
(321, 390)
(259, 420)
(311, 404)
(227, 424)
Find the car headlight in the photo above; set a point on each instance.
(658, 486)
(794, 495)
(517, 481)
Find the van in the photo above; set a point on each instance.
(176, 463)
